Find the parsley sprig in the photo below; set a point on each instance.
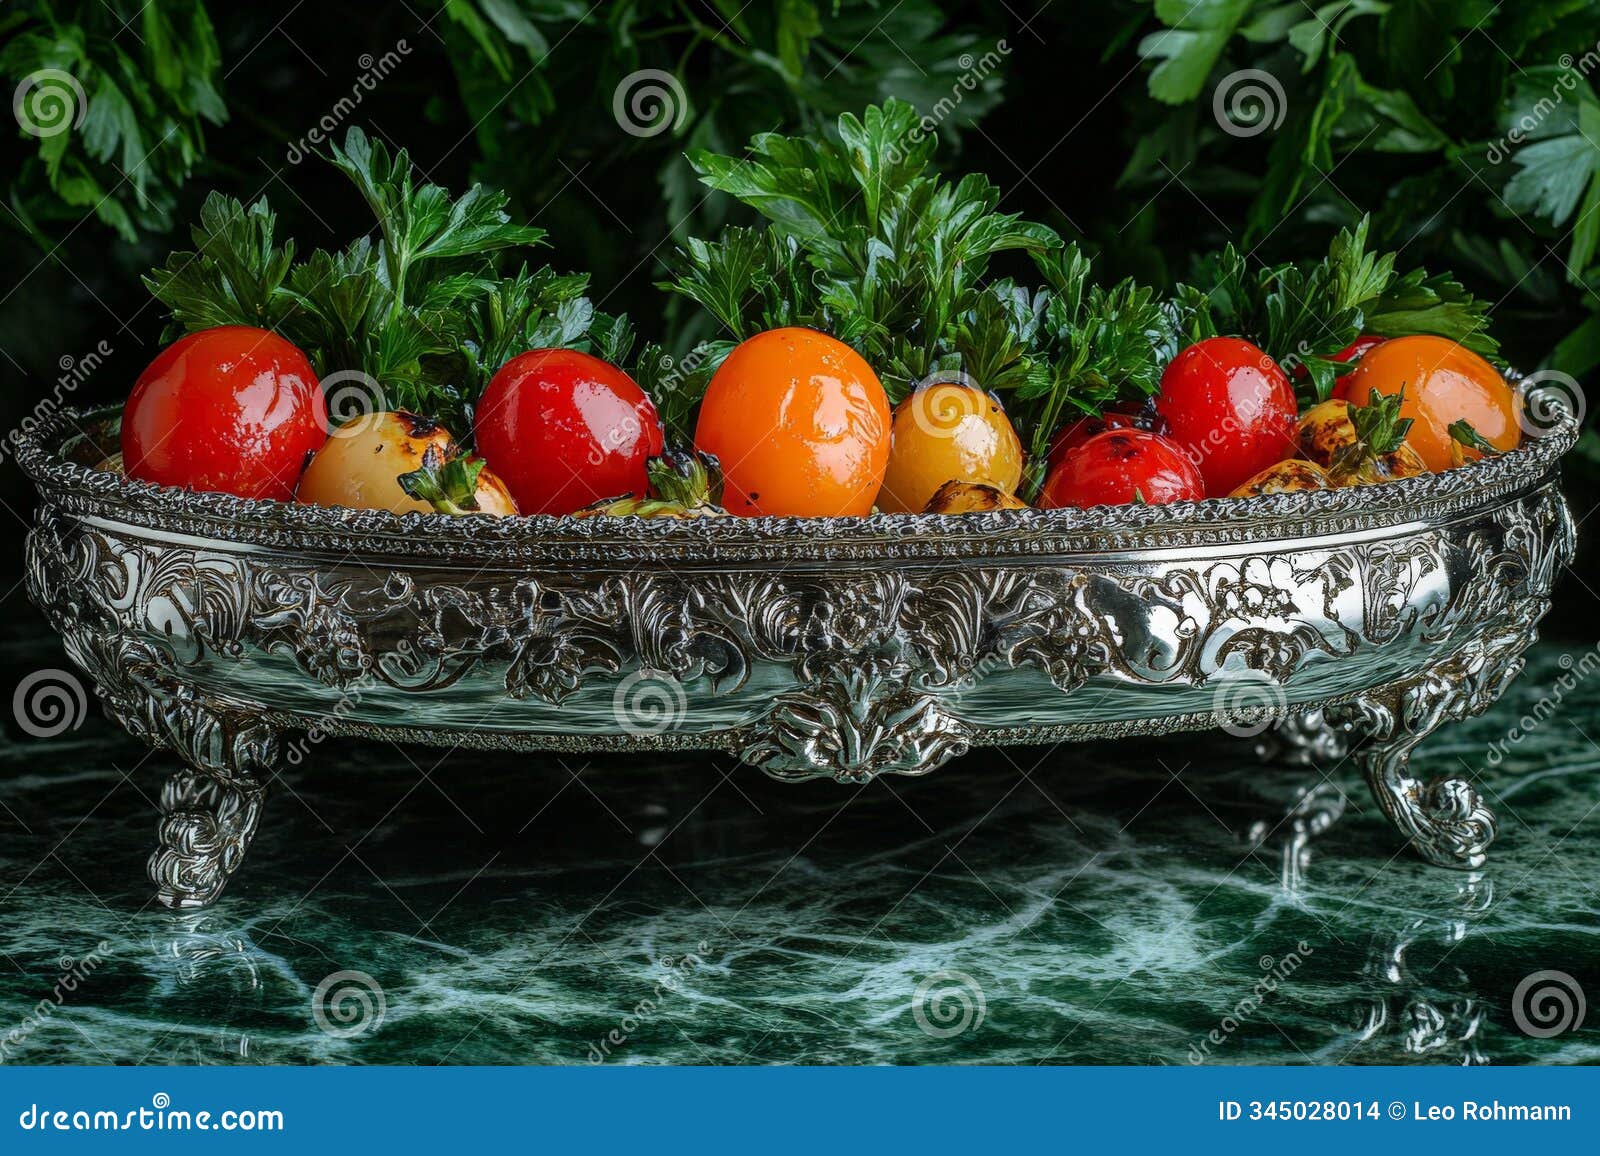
(1303, 313)
(865, 241)
(421, 305)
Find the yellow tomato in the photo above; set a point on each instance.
(948, 432)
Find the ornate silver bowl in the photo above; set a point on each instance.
(844, 647)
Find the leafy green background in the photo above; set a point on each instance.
(1100, 120)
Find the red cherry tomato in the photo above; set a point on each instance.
(1353, 352)
(1121, 466)
(1350, 354)
(563, 429)
(1231, 409)
(1127, 415)
(233, 410)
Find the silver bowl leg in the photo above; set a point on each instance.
(207, 823)
(209, 808)
(1303, 740)
(1446, 820)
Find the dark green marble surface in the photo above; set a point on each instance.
(1111, 903)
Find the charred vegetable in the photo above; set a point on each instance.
(1359, 445)
(452, 482)
(1364, 445)
(366, 462)
(971, 498)
(1285, 477)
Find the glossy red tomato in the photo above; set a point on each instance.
(563, 429)
(1350, 354)
(1358, 348)
(1121, 466)
(1126, 415)
(233, 409)
(1231, 409)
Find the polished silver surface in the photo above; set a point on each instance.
(841, 647)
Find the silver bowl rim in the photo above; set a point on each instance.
(41, 453)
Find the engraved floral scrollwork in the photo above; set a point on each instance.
(855, 729)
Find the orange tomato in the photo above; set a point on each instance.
(947, 432)
(800, 425)
(1444, 382)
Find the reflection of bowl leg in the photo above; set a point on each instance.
(1425, 1024)
(1315, 808)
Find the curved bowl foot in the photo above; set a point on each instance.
(207, 823)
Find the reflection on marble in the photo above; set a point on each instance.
(1107, 903)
